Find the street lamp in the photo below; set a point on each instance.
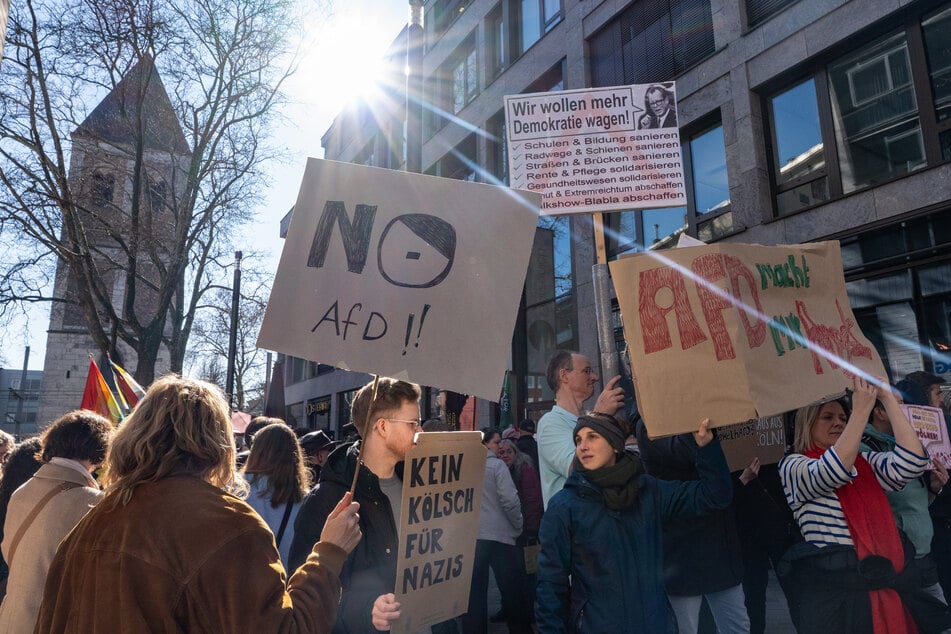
(233, 337)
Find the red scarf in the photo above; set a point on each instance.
(874, 532)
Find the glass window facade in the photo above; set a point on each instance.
(868, 117)
(657, 40)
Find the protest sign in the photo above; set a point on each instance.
(737, 331)
(402, 275)
(763, 438)
(439, 524)
(932, 432)
(597, 149)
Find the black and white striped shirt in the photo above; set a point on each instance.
(810, 484)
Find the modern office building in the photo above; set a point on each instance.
(799, 121)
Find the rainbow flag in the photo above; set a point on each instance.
(97, 397)
(129, 391)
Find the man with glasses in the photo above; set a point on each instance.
(572, 379)
(387, 425)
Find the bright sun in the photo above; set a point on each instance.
(345, 61)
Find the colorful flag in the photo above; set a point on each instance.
(97, 396)
(128, 389)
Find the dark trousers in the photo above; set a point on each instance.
(503, 559)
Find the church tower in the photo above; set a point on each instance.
(134, 130)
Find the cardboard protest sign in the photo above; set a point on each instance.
(737, 331)
(439, 524)
(402, 275)
(763, 438)
(597, 149)
(933, 433)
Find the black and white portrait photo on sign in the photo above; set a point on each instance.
(660, 107)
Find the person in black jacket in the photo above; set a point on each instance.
(702, 557)
(387, 428)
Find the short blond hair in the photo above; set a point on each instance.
(181, 426)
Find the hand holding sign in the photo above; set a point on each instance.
(611, 398)
(703, 436)
(385, 610)
(342, 527)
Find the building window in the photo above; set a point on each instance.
(758, 11)
(875, 114)
(442, 14)
(868, 117)
(537, 17)
(158, 195)
(709, 185)
(936, 31)
(465, 77)
(102, 187)
(653, 40)
(498, 55)
(798, 157)
(905, 314)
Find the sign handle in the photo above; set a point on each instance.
(602, 301)
(363, 441)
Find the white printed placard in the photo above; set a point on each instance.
(597, 149)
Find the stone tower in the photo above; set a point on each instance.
(134, 125)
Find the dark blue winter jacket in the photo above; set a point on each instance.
(601, 570)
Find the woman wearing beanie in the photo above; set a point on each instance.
(600, 566)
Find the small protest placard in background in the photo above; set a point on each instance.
(733, 332)
(597, 149)
(404, 275)
(763, 438)
(932, 432)
(439, 523)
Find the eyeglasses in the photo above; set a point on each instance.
(416, 422)
(586, 370)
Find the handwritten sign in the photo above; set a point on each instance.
(737, 331)
(439, 524)
(933, 433)
(763, 438)
(597, 149)
(402, 275)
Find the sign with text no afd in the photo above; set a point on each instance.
(737, 331)
(403, 275)
(439, 523)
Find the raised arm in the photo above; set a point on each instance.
(904, 433)
(863, 400)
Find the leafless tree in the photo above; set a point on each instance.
(140, 263)
(208, 351)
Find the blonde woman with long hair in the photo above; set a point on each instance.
(170, 548)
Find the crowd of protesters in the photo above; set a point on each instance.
(584, 530)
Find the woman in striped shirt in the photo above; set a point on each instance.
(852, 573)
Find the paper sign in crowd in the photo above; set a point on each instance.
(439, 522)
(763, 438)
(402, 275)
(597, 149)
(933, 433)
(735, 332)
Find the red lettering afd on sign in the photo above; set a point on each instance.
(707, 269)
